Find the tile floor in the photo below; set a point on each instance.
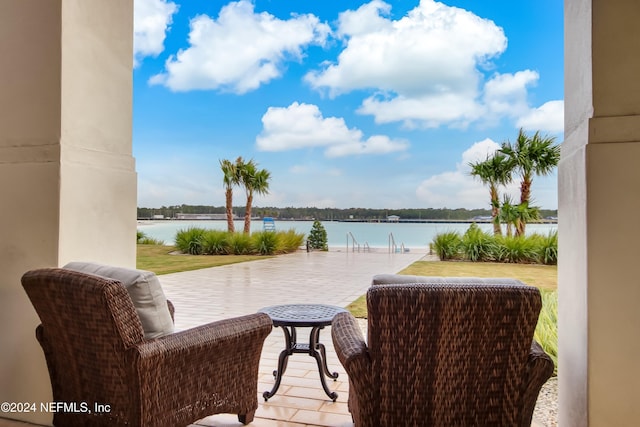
(335, 278)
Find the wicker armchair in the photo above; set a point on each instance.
(444, 352)
(96, 354)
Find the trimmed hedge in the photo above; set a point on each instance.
(200, 241)
(478, 245)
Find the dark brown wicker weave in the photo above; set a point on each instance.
(96, 353)
(445, 352)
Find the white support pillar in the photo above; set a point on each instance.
(67, 175)
(599, 200)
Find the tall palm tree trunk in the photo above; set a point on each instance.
(495, 211)
(525, 190)
(525, 195)
(229, 205)
(247, 214)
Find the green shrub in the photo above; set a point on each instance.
(546, 333)
(318, 237)
(521, 249)
(189, 241)
(214, 242)
(143, 239)
(240, 244)
(447, 245)
(265, 242)
(199, 241)
(289, 241)
(150, 241)
(478, 245)
(547, 248)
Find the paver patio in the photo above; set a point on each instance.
(335, 278)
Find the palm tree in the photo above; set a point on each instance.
(529, 156)
(525, 213)
(508, 214)
(494, 171)
(230, 178)
(254, 181)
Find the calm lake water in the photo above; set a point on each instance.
(376, 235)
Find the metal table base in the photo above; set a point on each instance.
(290, 317)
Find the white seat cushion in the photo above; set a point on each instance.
(145, 292)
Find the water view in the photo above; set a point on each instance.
(413, 236)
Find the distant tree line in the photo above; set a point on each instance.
(327, 214)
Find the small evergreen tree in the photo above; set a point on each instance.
(318, 237)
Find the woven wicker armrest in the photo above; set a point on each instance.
(195, 366)
(349, 344)
(209, 337)
(539, 369)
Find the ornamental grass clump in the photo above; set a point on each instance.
(214, 242)
(547, 248)
(189, 241)
(447, 245)
(478, 245)
(265, 242)
(546, 333)
(240, 244)
(289, 241)
(199, 241)
(520, 249)
(143, 239)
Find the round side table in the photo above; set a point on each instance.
(292, 316)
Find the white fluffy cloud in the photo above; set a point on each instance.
(426, 64)
(240, 50)
(303, 126)
(425, 67)
(151, 20)
(458, 189)
(547, 118)
(506, 94)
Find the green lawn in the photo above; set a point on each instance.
(160, 260)
(541, 276)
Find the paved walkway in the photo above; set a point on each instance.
(335, 278)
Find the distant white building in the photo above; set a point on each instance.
(201, 216)
(393, 218)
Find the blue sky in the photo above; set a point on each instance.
(348, 104)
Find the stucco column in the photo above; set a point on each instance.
(67, 175)
(599, 201)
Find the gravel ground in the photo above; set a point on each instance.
(545, 413)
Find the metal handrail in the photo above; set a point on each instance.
(354, 244)
(393, 246)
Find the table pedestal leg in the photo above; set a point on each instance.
(292, 346)
(321, 359)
